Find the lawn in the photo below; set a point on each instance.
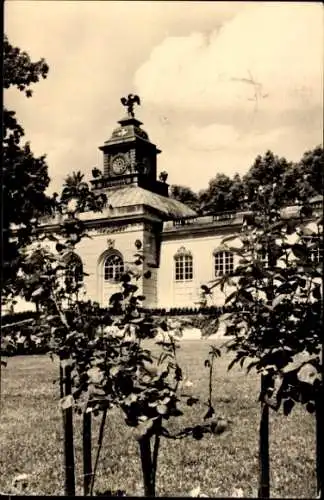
(31, 437)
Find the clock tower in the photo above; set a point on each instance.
(129, 157)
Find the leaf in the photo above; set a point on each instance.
(114, 370)
(210, 413)
(299, 251)
(191, 401)
(251, 365)
(38, 292)
(231, 296)
(310, 407)
(144, 428)
(246, 295)
(116, 297)
(229, 238)
(207, 363)
(197, 432)
(140, 297)
(232, 363)
(175, 412)
(95, 375)
(66, 402)
(178, 373)
(162, 409)
(308, 373)
(216, 352)
(288, 406)
(59, 247)
(277, 300)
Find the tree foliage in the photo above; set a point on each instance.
(185, 195)
(25, 177)
(222, 195)
(75, 188)
(274, 309)
(295, 181)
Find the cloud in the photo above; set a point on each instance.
(269, 55)
(93, 50)
(191, 65)
(211, 138)
(252, 85)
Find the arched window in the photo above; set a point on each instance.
(113, 267)
(223, 263)
(74, 270)
(183, 265)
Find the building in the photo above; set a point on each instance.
(181, 250)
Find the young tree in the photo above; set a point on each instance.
(275, 311)
(25, 177)
(105, 359)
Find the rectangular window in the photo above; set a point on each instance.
(183, 268)
(224, 263)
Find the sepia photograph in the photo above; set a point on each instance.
(162, 249)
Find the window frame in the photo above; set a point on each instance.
(112, 272)
(183, 266)
(226, 262)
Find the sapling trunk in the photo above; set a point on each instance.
(100, 441)
(264, 459)
(69, 489)
(147, 466)
(319, 415)
(87, 453)
(155, 457)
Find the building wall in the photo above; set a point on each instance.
(93, 252)
(187, 293)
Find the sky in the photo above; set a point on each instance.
(219, 82)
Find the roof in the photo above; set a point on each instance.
(132, 196)
(135, 195)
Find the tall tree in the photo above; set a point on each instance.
(311, 167)
(265, 171)
(294, 181)
(223, 194)
(25, 177)
(185, 195)
(75, 188)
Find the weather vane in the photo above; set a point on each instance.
(129, 102)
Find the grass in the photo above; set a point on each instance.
(31, 437)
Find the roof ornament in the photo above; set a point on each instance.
(129, 102)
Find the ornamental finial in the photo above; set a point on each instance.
(129, 102)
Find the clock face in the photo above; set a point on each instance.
(119, 165)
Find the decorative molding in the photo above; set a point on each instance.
(181, 252)
(99, 230)
(110, 243)
(221, 249)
